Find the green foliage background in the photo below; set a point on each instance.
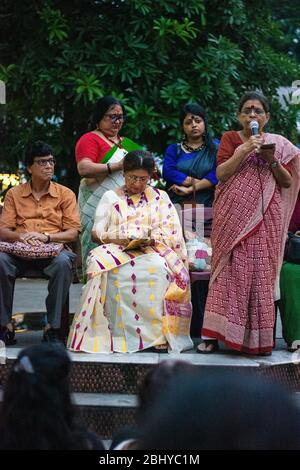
(59, 57)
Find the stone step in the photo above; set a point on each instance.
(116, 400)
(104, 413)
(105, 385)
(123, 373)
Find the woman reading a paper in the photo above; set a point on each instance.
(99, 156)
(138, 293)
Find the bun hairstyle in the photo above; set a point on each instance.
(139, 160)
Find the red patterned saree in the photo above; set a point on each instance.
(251, 216)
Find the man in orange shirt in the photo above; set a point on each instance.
(38, 212)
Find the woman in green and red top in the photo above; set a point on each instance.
(289, 304)
(99, 156)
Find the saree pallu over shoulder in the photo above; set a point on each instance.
(251, 216)
(93, 328)
(241, 202)
(197, 166)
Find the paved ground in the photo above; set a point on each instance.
(30, 298)
(30, 295)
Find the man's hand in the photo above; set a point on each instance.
(33, 238)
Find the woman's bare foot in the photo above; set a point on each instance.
(207, 346)
(161, 347)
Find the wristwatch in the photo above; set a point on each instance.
(48, 236)
(274, 164)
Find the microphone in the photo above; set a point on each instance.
(254, 126)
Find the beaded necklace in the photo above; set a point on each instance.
(192, 149)
(118, 144)
(130, 201)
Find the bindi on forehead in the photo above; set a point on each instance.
(193, 117)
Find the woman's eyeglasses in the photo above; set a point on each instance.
(256, 111)
(115, 117)
(135, 179)
(50, 161)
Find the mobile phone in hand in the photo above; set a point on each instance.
(267, 146)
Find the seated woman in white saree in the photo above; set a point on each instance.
(138, 298)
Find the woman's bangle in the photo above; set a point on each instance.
(109, 170)
(101, 238)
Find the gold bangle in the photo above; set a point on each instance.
(101, 237)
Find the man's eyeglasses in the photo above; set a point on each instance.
(256, 111)
(50, 161)
(115, 117)
(135, 179)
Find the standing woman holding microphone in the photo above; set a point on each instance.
(254, 201)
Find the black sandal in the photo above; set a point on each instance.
(292, 348)
(7, 336)
(208, 342)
